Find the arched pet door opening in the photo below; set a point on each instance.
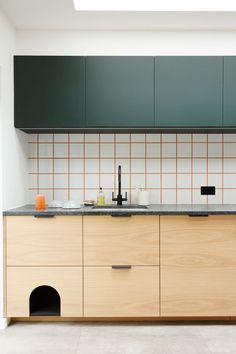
(45, 301)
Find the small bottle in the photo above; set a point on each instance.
(101, 197)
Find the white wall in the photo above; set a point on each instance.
(13, 144)
(126, 42)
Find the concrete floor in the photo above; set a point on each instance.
(113, 338)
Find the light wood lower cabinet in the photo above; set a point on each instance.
(21, 281)
(121, 292)
(198, 265)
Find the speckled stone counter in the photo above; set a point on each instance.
(155, 209)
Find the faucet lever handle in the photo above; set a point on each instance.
(126, 197)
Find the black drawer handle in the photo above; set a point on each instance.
(123, 215)
(44, 216)
(121, 267)
(198, 215)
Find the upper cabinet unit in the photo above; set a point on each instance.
(188, 91)
(119, 92)
(229, 92)
(49, 92)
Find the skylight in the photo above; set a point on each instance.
(155, 5)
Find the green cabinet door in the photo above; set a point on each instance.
(49, 91)
(229, 118)
(119, 92)
(188, 91)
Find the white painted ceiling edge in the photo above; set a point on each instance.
(61, 15)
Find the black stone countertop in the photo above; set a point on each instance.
(154, 209)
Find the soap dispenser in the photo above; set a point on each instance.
(100, 197)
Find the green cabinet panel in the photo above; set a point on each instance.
(188, 91)
(119, 92)
(229, 119)
(49, 91)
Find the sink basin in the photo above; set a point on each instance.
(122, 207)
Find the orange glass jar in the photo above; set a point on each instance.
(40, 202)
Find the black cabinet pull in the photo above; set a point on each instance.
(44, 216)
(121, 267)
(198, 215)
(123, 215)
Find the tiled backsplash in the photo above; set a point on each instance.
(172, 167)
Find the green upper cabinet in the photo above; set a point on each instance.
(188, 91)
(229, 92)
(119, 92)
(49, 92)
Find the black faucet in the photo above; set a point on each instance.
(119, 199)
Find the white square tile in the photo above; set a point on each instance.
(107, 138)
(198, 198)
(76, 138)
(61, 181)
(122, 150)
(168, 181)
(91, 138)
(76, 181)
(215, 150)
(48, 195)
(61, 195)
(199, 180)
(169, 196)
(107, 150)
(32, 150)
(32, 166)
(60, 150)
(153, 150)
(184, 181)
(184, 138)
(122, 138)
(45, 150)
(215, 180)
(92, 150)
(32, 181)
(169, 166)
(92, 166)
(61, 138)
(199, 150)
(184, 196)
(91, 194)
(32, 138)
(215, 165)
(169, 150)
(77, 150)
(229, 181)
(138, 150)
(230, 165)
(184, 150)
(215, 199)
(229, 138)
(137, 180)
(45, 165)
(184, 165)
(229, 150)
(138, 137)
(125, 165)
(61, 166)
(155, 138)
(107, 166)
(137, 165)
(46, 138)
(153, 165)
(216, 138)
(230, 196)
(200, 137)
(45, 181)
(171, 138)
(77, 166)
(107, 181)
(77, 196)
(199, 165)
(92, 181)
(154, 196)
(153, 181)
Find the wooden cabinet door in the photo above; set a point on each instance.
(188, 91)
(44, 241)
(198, 265)
(130, 292)
(119, 92)
(229, 92)
(121, 240)
(49, 92)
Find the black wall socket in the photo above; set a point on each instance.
(208, 190)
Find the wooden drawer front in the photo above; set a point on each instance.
(21, 281)
(121, 240)
(198, 265)
(44, 241)
(121, 292)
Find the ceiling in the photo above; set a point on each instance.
(60, 15)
